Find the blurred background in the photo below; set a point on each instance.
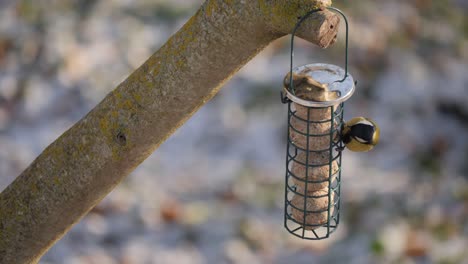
(213, 193)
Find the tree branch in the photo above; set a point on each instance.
(85, 163)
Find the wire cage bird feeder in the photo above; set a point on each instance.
(315, 94)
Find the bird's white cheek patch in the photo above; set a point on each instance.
(365, 122)
(361, 140)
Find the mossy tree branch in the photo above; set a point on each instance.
(86, 162)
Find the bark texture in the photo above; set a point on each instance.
(86, 162)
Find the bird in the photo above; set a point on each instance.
(360, 134)
(307, 88)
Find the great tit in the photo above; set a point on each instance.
(360, 134)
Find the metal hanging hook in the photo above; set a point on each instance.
(291, 83)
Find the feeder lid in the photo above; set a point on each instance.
(330, 75)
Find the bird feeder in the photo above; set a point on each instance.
(313, 156)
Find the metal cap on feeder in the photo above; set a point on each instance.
(327, 74)
(315, 94)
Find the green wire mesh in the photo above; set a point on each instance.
(313, 157)
(313, 173)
